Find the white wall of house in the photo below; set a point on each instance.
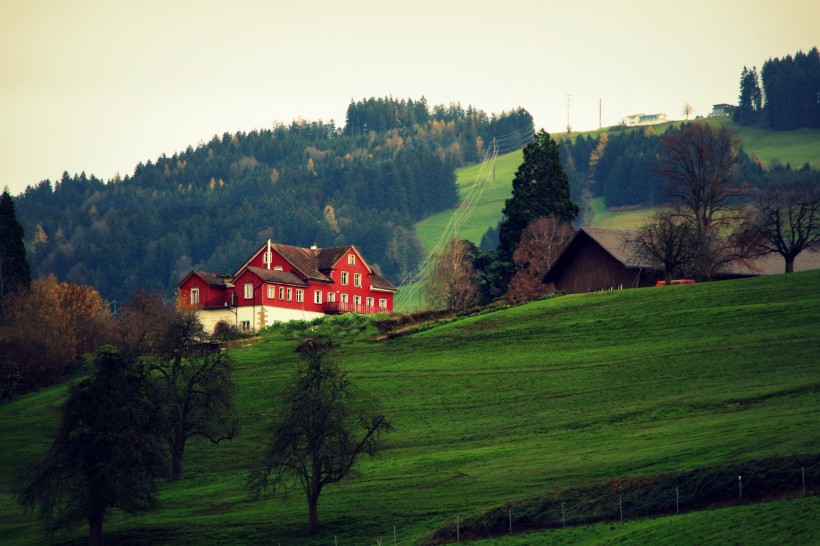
(209, 317)
(253, 318)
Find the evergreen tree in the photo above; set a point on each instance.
(14, 270)
(750, 101)
(540, 188)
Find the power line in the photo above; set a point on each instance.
(500, 145)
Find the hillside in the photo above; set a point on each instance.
(208, 206)
(770, 147)
(560, 393)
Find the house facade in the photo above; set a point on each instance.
(279, 283)
(640, 120)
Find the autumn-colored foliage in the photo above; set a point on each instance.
(541, 243)
(49, 328)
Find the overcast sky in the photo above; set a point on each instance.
(101, 85)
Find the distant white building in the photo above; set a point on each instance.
(638, 120)
(722, 110)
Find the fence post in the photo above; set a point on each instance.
(803, 473)
(458, 529)
(563, 519)
(621, 506)
(677, 500)
(740, 487)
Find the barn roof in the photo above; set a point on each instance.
(616, 242)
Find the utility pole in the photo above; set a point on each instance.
(569, 127)
(495, 155)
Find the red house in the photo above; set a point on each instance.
(279, 283)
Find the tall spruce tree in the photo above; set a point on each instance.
(14, 270)
(540, 188)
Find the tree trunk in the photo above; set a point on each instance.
(313, 512)
(95, 537)
(789, 264)
(176, 445)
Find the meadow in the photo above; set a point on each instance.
(506, 405)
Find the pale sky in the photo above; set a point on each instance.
(101, 85)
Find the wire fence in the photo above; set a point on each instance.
(660, 495)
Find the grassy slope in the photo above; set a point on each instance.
(795, 147)
(518, 402)
(487, 212)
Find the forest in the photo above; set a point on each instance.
(784, 95)
(208, 206)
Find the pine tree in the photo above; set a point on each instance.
(540, 188)
(14, 270)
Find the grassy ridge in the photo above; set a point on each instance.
(519, 402)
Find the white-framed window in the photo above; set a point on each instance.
(266, 258)
(331, 297)
(351, 259)
(245, 325)
(281, 293)
(357, 300)
(248, 290)
(344, 278)
(300, 295)
(369, 301)
(357, 279)
(344, 298)
(383, 303)
(271, 292)
(317, 297)
(290, 294)
(194, 296)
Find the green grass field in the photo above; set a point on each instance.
(518, 402)
(487, 211)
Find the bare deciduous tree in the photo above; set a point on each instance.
(452, 282)
(541, 243)
(666, 241)
(320, 432)
(786, 220)
(700, 163)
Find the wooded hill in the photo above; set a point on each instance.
(308, 182)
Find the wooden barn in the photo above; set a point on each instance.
(600, 259)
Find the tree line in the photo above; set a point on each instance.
(783, 95)
(302, 183)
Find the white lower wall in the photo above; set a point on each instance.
(255, 317)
